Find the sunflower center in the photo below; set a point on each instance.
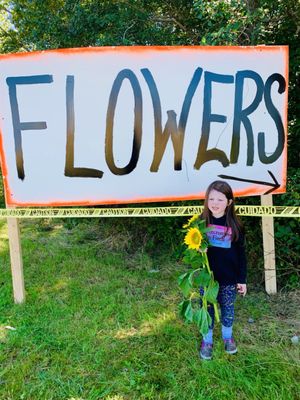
(196, 237)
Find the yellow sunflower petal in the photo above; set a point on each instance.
(191, 220)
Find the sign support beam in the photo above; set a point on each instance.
(269, 247)
(16, 260)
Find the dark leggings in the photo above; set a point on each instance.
(226, 298)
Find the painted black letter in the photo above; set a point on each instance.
(277, 119)
(138, 117)
(241, 116)
(70, 170)
(203, 154)
(19, 126)
(171, 129)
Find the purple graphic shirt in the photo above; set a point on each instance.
(219, 236)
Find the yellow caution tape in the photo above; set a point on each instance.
(247, 211)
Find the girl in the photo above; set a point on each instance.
(227, 260)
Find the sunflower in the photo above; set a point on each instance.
(191, 220)
(193, 238)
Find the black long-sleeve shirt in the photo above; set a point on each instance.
(227, 259)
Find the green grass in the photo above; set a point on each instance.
(101, 323)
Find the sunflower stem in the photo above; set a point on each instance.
(207, 264)
(216, 312)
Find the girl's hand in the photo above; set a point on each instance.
(242, 288)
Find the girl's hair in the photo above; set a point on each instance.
(232, 220)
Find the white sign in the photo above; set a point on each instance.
(139, 124)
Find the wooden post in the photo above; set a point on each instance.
(16, 259)
(269, 248)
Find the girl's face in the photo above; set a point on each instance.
(217, 203)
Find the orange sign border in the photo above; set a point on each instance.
(250, 191)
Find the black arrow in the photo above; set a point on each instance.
(274, 185)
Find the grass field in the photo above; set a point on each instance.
(100, 323)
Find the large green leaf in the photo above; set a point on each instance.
(182, 307)
(202, 319)
(189, 255)
(193, 258)
(185, 283)
(202, 256)
(197, 262)
(197, 318)
(186, 310)
(189, 312)
(202, 278)
(211, 292)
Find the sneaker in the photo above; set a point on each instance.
(230, 346)
(206, 351)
